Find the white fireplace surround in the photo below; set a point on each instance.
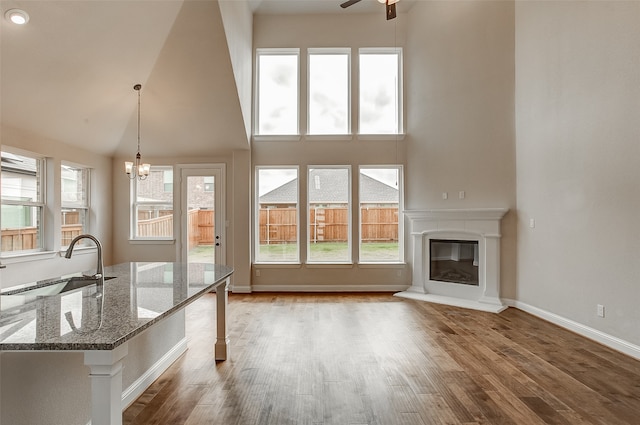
(478, 224)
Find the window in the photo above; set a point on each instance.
(277, 216)
(22, 202)
(152, 208)
(329, 195)
(75, 203)
(329, 91)
(277, 91)
(379, 192)
(209, 183)
(380, 105)
(167, 180)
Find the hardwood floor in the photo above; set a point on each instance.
(351, 359)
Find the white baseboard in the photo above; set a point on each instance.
(143, 382)
(456, 302)
(610, 341)
(328, 288)
(241, 289)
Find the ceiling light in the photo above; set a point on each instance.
(17, 16)
(137, 169)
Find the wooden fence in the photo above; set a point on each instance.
(156, 227)
(19, 239)
(27, 237)
(279, 225)
(201, 227)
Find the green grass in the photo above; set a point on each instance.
(330, 251)
(202, 254)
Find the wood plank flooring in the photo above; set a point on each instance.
(355, 359)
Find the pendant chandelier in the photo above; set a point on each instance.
(137, 169)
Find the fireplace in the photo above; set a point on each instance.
(456, 257)
(453, 261)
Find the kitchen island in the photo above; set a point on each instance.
(101, 319)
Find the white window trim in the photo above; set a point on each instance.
(399, 88)
(256, 114)
(349, 260)
(330, 51)
(42, 165)
(133, 213)
(369, 263)
(256, 221)
(87, 198)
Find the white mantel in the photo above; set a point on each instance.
(473, 224)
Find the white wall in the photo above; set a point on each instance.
(236, 244)
(336, 30)
(238, 27)
(460, 92)
(19, 271)
(578, 133)
(55, 388)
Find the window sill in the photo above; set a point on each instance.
(26, 257)
(328, 137)
(276, 138)
(388, 137)
(277, 265)
(152, 241)
(329, 265)
(380, 265)
(79, 250)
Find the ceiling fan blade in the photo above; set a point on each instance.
(391, 11)
(348, 3)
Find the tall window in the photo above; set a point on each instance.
(277, 91)
(75, 203)
(277, 217)
(329, 195)
(22, 202)
(380, 103)
(329, 90)
(379, 189)
(152, 209)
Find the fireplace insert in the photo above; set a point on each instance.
(454, 261)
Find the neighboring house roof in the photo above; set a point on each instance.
(328, 187)
(18, 164)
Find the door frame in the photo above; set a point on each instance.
(219, 170)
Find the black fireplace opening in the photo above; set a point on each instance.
(454, 261)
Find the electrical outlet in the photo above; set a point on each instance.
(600, 310)
(461, 194)
(257, 273)
(445, 195)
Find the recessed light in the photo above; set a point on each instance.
(17, 16)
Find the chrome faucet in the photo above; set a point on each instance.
(99, 267)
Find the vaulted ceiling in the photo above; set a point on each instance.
(69, 73)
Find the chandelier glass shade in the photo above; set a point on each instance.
(137, 169)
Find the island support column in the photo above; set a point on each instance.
(222, 340)
(106, 384)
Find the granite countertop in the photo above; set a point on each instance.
(133, 297)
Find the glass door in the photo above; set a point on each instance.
(202, 211)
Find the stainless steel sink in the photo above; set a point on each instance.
(56, 286)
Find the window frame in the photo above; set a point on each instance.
(400, 171)
(86, 206)
(256, 245)
(349, 259)
(134, 204)
(40, 204)
(330, 51)
(399, 87)
(275, 52)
